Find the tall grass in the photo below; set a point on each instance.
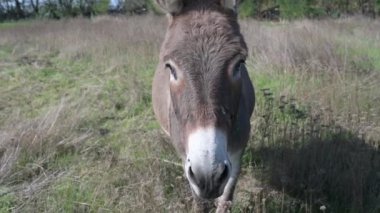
(77, 132)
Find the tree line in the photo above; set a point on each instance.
(289, 9)
(20, 9)
(262, 9)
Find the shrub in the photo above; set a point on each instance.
(291, 9)
(247, 9)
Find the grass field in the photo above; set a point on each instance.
(77, 131)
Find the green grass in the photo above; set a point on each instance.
(6, 25)
(276, 81)
(7, 202)
(369, 57)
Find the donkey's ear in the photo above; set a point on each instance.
(231, 4)
(171, 6)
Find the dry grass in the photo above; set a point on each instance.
(77, 132)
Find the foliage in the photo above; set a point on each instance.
(291, 9)
(247, 9)
(153, 7)
(101, 7)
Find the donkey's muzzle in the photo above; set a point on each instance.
(207, 165)
(209, 184)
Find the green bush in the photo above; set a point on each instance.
(292, 9)
(153, 7)
(101, 7)
(315, 12)
(247, 9)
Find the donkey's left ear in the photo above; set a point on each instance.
(231, 4)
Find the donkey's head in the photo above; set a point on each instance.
(203, 54)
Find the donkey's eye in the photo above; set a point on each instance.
(173, 73)
(223, 110)
(236, 74)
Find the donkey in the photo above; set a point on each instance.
(202, 95)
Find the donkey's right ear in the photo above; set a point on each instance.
(171, 6)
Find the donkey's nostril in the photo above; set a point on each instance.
(224, 173)
(191, 173)
(192, 176)
(196, 178)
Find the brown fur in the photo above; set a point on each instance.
(205, 43)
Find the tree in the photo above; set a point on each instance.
(19, 9)
(35, 5)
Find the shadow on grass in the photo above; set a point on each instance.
(340, 172)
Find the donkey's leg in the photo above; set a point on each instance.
(224, 202)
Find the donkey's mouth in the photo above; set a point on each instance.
(208, 193)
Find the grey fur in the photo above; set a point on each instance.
(205, 43)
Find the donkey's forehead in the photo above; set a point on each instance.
(204, 35)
